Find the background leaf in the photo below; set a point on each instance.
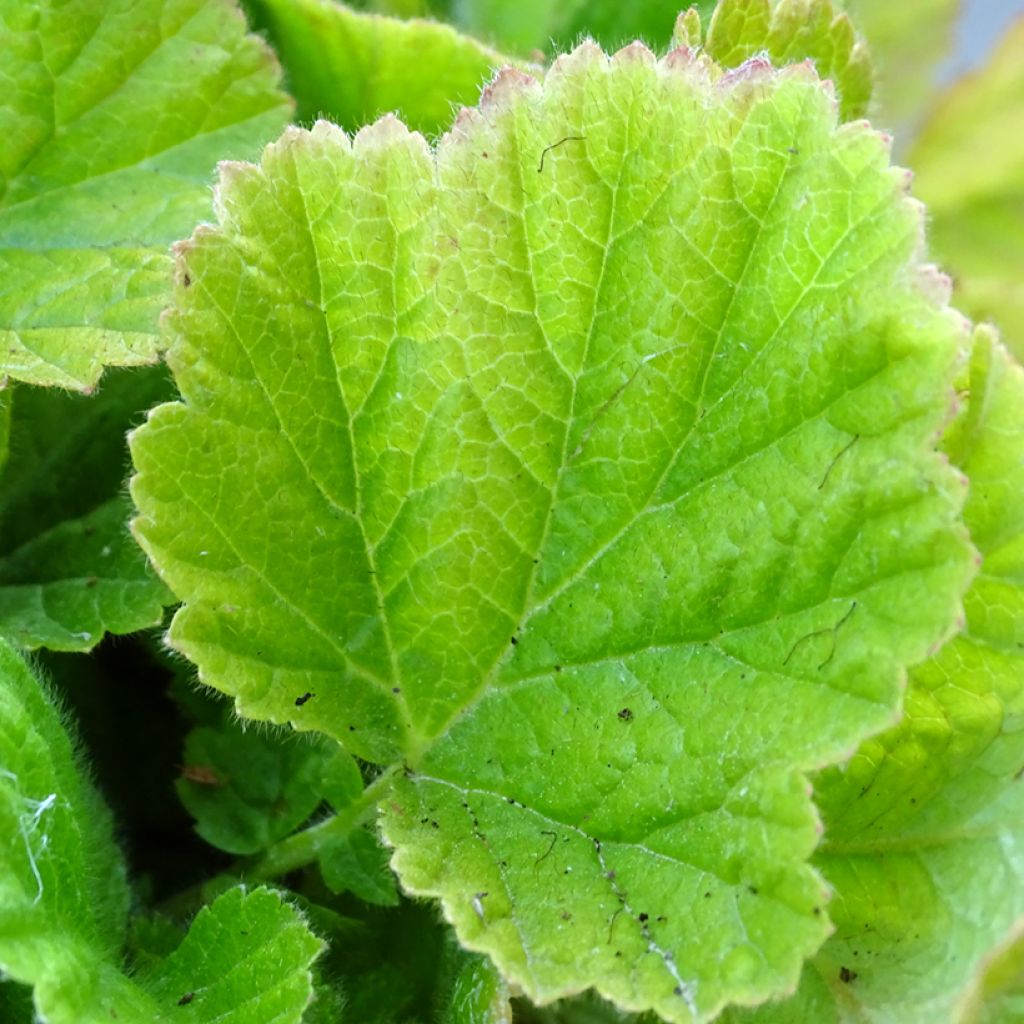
(479, 995)
(245, 960)
(65, 898)
(908, 42)
(351, 67)
(62, 879)
(969, 166)
(248, 788)
(69, 569)
(358, 864)
(115, 115)
(791, 31)
(998, 993)
(547, 25)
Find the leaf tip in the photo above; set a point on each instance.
(635, 52)
(387, 131)
(506, 86)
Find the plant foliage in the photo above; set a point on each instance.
(609, 537)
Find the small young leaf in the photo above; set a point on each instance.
(790, 31)
(586, 469)
(340, 779)
(969, 163)
(357, 863)
(69, 570)
(353, 67)
(113, 116)
(248, 788)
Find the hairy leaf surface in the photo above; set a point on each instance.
(69, 569)
(352, 67)
(62, 879)
(969, 162)
(65, 900)
(113, 114)
(584, 468)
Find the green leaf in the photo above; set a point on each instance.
(969, 161)
(358, 864)
(790, 31)
(245, 960)
(340, 779)
(908, 41)
(65, 900)
(479, 995)
(62, 879)
(15, 1003)
(69, 569)
(5, 425)
(352, 67)
(559, 24)
(248, 788)
(69, 586)
(391, 968)
(998, 993)
(584, 472)
(924, 829)
(114, 115)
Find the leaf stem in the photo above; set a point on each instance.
(303, 848)
(296, 851)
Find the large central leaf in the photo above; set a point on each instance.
(585, 470)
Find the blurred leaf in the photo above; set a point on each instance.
(997, 996)
(969, 167)
(113, 115)
(63, 884)
(550, 26)
(908, 40)
(479, 994)
(351, 66)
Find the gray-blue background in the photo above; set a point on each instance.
(981, 23)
